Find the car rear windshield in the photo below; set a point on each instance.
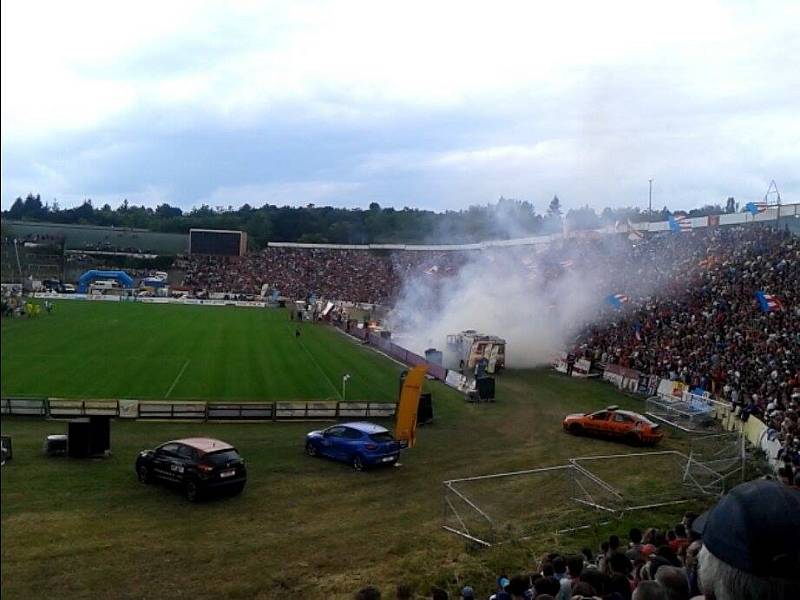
(221, 457)
(384, 436)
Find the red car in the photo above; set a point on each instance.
(614, 423)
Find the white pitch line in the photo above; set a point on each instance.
(174, 383)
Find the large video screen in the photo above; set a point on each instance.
(226, 243)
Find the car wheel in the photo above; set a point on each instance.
(633, 439)
(143, 473)
(191, 490)
(310, 449)
(575, 429)
(358, 463)
(237, 489)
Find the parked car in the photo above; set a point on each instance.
(360, 444)
(614, 423)
(196, 465)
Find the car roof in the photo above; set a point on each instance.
(204, 444)
(632, 415)
(365, 427)
(629, 413)
(636, 415)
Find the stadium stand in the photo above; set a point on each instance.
(37, 256)
(368, 276)
(93, 237)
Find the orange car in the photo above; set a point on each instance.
(613, 423)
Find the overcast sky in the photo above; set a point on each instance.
(426, 104)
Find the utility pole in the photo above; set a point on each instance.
(650, 200)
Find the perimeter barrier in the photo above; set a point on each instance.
(392, 350)
(164, 410)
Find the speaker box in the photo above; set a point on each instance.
(79, 439)
(5, 448)
(100, 441)
(485, 387)
(425, 410)
(55, 445)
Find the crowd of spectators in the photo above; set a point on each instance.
(703, 325)
(372, 277)
(744, 548)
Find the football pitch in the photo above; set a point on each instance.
(303, 527)
(150, 351)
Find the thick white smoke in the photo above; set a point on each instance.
(504, 292)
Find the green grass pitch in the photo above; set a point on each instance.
(304, 527)
(146, 351)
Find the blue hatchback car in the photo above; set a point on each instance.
(359, 444)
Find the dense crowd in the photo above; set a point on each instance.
(706, 328)
(367, 276)
(744, 548)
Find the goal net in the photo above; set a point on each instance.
(585, 492)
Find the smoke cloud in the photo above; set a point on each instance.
(522, 294)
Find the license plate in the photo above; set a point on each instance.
(387, 458)
(228, 473)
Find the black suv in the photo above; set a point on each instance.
(197, 465)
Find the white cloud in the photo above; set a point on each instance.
(64, 65)
(593, 98)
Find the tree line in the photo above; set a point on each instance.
(504, 219)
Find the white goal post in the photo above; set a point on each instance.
(583, 493)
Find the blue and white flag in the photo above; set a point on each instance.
(768, 302)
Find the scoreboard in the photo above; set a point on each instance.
(219, 242)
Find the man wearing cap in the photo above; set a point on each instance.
(751, 543)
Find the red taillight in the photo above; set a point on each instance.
(203, 468)
(372, 446)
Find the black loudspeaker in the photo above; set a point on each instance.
(100, 441)
(425, 409)
(55, 445)
(79, 439)
(485, 387)
(5, 448)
